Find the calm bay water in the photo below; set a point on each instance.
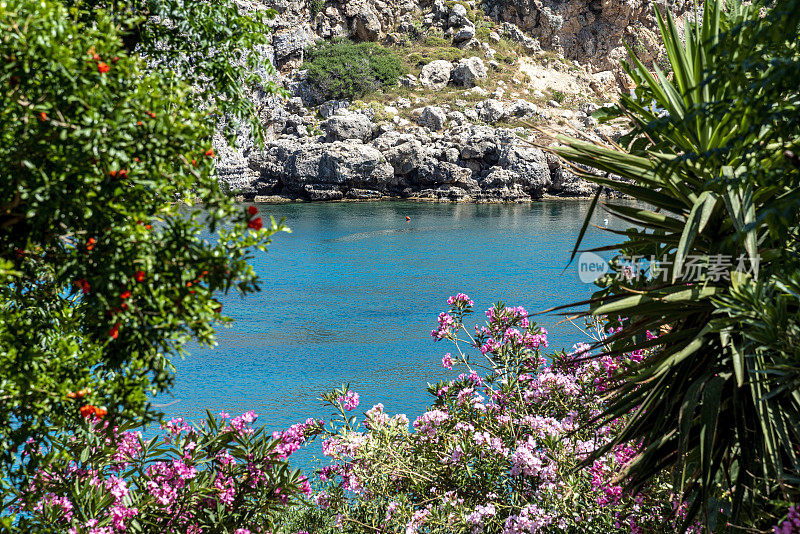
(351, 295)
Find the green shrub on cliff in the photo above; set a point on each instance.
(346, 70)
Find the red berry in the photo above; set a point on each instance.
(256, 224)
(139, 276)
(252, 210)
(210, 152)
(125, 295)
(103, 67)
(114, 332)
(90, 244)
(43, 116)
(83, 285)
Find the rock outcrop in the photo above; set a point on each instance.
(421, 147)
(463, 162)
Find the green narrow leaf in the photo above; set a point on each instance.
(709, 417)
(586, 221)
(696, 222)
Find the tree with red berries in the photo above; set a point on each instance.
(107, 202)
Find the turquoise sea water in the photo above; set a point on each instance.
(351, 295)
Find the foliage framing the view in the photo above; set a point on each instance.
(215, 47)
(220, 476)
(107, 267)
(713, 153)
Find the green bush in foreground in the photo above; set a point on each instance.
(106, 263)
(346, 70)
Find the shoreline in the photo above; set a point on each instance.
(279, 199)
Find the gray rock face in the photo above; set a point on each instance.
(348, 126)
(490, 110)
(433, 172)
(323, 171)
(436, 74)
(433, 118)
(290, 44)
(467, 72)
(367, 24)
(513, 33)
(521, 109)
(464, 34)
(329, 108)
(467, 162)
(530, 164)
(587, 30)
(458, 16)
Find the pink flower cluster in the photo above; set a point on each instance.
(190, 470)
(349, 400)
(242, 423)
(447, 361)
(291, 439)
(521, 427)
(460, 300)
(530, 520)
(428, 423)
(792, 523)
(446, 324)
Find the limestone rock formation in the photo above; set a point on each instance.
(467, 72)
(436, 74)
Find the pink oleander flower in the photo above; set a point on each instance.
(322, 499)
(390, 510)
(531, 519)
(446, 323)
(417, 521)
(460, 300)
(427, 424)
(475, 519)
(292, 438)
(792, 523)
(241, 424)
(120, 514)
(349, 401)
(447, 361)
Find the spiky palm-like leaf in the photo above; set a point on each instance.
(712, 156)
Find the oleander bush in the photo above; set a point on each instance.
(499, 450)
(345, 70)
(224, 475)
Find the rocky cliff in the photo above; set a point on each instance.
(455, 128)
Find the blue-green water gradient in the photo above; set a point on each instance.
(351, 295)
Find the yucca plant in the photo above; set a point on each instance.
(711, 157)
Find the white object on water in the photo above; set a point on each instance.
(605, 221)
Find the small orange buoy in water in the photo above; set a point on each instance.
(408, 218)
